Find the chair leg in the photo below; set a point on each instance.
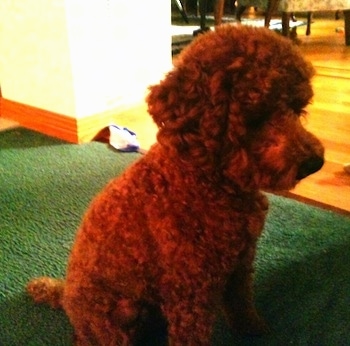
(308, 24)
(337, 15)
(272, 6)
(285, 23)
(181, 8)
(239, 11)
(202, 13)
(218, 11)
(233, 6)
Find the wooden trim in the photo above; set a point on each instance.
(347, 26)
(74, 130)
(49, 123)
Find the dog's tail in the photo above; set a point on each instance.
(46, 290)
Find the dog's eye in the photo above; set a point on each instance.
(303, 117)
(302, 113)
(298, 105)
(297, 111)
(257, 122)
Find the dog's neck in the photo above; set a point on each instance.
(233, 182)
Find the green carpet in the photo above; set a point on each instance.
(303, 264)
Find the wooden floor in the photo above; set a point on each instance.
(329, 115)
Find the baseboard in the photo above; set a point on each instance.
(49, 123)
(67, 128)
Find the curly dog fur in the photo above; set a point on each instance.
(172, 241)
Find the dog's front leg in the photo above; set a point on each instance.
(190, 321)
(238, 298)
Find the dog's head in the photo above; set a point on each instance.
(233, 105)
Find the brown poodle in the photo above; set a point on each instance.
(172, 241)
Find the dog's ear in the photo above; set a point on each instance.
(191, 109)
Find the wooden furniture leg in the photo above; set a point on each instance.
(239, 11)
(218, 14)
(202, 13)
(308, 23)
(218, 11)
(285, 23)
(337, 15)
(181, 8)
(272, 6)
(347, 26)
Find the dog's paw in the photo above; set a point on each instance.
(249, 323)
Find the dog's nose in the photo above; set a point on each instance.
(310, 166)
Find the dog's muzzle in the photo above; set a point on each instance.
(310, 166)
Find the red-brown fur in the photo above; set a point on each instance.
(176, 234)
